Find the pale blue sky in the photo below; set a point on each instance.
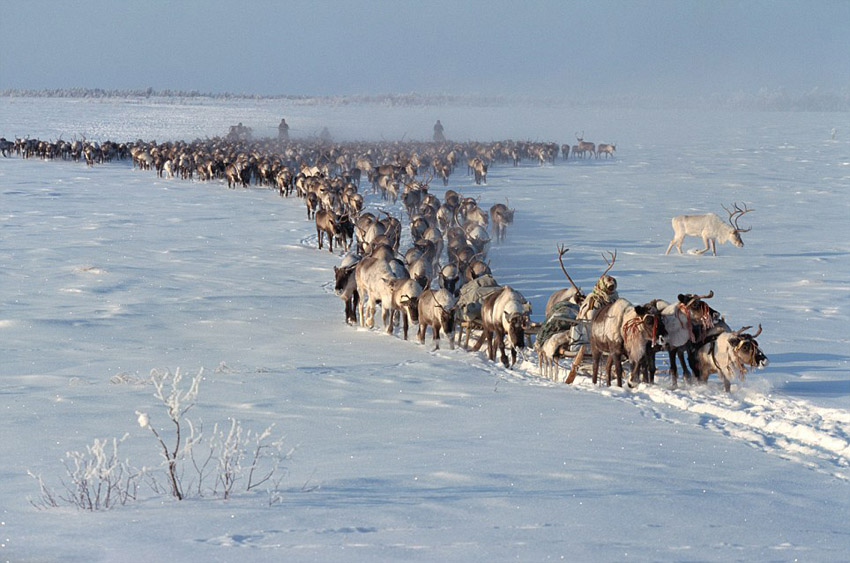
(495, 47)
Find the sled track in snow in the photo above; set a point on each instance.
(817, 437)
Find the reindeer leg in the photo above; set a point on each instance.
(635, 370)
(681, 356)
(596, 357)
(361, 308)
(618, 365)
(674, 373)
(388, 318)
(692, 362)
(499, 342)
(707, 246)
(609, 365)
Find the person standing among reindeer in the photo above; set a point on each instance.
(438, 133)
(283, 130)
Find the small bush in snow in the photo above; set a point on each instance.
(220, 460)
(96, 479)
(177, 403)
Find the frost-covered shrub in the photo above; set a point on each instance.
(96, 479)
(230, 457)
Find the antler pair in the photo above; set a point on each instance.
(563, 250)
(737, 214)
(696, 298)
(745, 328)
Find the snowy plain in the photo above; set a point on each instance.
(403, 452)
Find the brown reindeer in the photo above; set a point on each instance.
(501, 216)
(584, 146)
(331, 224)
(607, 150)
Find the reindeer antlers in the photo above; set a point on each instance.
(561, 251)
(745, 328)
(696, 298)
(737, 214)
(610, 263)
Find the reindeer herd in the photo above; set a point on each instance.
(442, 280)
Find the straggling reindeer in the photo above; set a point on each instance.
(711, 228)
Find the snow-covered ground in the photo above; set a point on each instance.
(402, 452)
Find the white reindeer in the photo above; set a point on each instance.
(710, 227)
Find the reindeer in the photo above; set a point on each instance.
(405, 300)
(328, 223)
(478, 238)
(437, 310)
(728, 354)
(560, 330)
(684, 321)
(607, 150)
(584, 146)
(504, 317)
(472, 213)
(501, 216)
(374, 276)
(711, 228)
(442, 169)
(6, 147)
(422, 268)
(621, 329)
(475, 268)
(345, 286)
(449, 278)
(479, 167)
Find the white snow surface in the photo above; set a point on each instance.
(403, 452)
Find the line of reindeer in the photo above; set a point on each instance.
(415, 287)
